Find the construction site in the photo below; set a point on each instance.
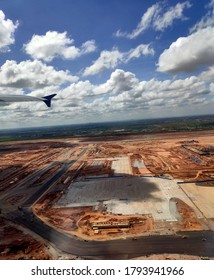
(100, 190)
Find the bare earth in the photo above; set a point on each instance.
(106, 189)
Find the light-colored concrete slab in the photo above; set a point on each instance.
(127, 196)
(202, 196)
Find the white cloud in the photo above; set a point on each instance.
(47, 90)
(111, 59)
(167, 19)
(129, 95)
(88, 47)
(154, 95)
(122, 82)
(208, 74)
(187, 54)
(107, 60)
(10, 90)
(32, 75)
(207, 20)
(77, 91)
(123, 95)
(7, 29)
(119, 82)
(139, 51)
(54, 44)
(145, 23)
(212, 88)
(158, 18)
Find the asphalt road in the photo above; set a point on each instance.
(199, 243)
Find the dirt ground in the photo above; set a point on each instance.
(15, 244)
(165, 158)
(25, 167)
(79, 222)
(172, 257)
(188, 217)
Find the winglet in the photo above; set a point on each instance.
(47, 99)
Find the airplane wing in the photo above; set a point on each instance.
(23, 98)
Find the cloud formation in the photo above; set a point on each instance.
(146, 21)
(158, 18)
(7, 29)
(122, 93)
(123, 89)
(32, 75)
(111, 59)
(54, 44)
(207, 20)
(208, 74)
(187, 54)
(141, 50)
(106, 60)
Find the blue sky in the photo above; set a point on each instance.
(106, 60)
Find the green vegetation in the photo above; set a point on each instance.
(133, 127)
(7, 138)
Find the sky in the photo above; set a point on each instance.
(106, 60)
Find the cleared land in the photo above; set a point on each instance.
(135, 186)
(202, 195)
